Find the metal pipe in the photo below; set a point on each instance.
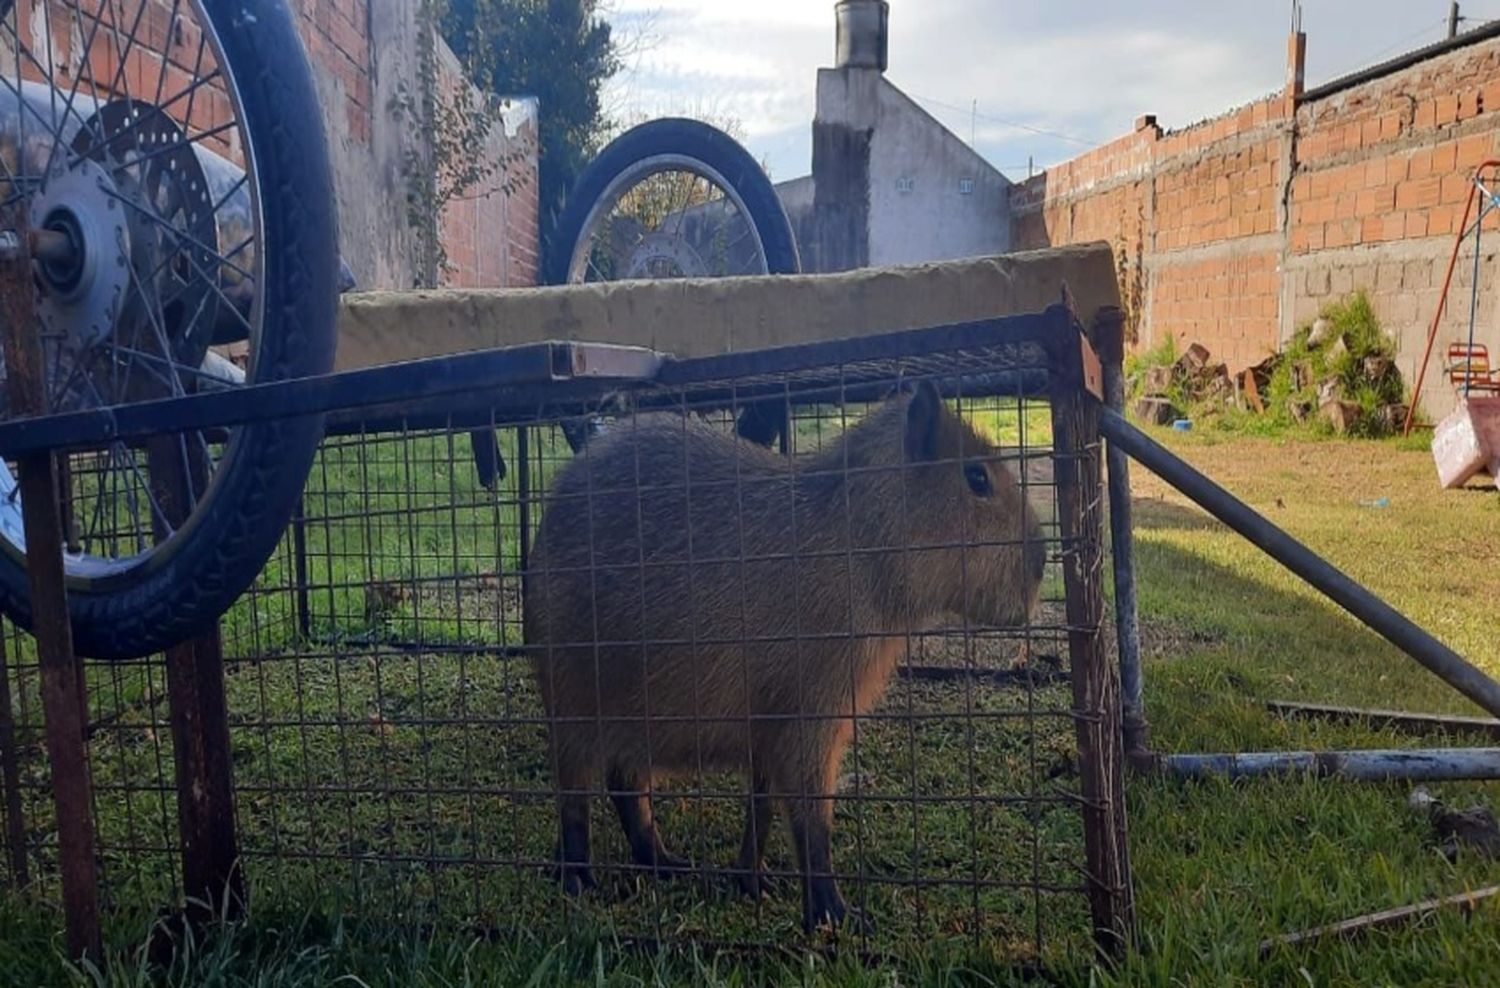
(1110, 341)
(1375, 613)
(1375, 765)
(50, 245)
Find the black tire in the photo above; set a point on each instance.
(763, 422)
(691, 139)
(230, 537)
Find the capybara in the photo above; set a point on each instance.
(697, 602)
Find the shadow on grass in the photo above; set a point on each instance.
(1220, 865)
(1219, 643)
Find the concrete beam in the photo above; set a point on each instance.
(697, 317)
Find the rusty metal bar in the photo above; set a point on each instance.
(1464, 901)
(1397, 720)
(1096, 684)
(63, 698)
(211, 875)
(10, 778)
(299, 570)
(523, 501)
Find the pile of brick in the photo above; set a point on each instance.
(1192, 376)
(1200, 384)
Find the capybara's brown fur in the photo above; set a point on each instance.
(698, 603)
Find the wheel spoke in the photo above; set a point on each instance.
(188, 238)
(119, 137)
(122, 56)
(239, 184)
(185, 93)
(68, 107)
(187, 139)
(140, 481)
(24, 105)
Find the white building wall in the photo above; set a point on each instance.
(932, 197)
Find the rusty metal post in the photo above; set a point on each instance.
(10, 778)
(63, 699)
(1096, 684)
(299, 571)
(1109, 338)
(211, 875)
(523, 497)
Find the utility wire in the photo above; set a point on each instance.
(1369, 60)
(967, 111)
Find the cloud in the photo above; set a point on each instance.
(1083, 68)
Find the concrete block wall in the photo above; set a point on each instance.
(1384, 171)
(1234, 231)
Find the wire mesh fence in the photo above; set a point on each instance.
(493, 681)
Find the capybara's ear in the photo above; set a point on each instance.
(923, 414)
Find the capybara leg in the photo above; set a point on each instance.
(812, 834)
(750, 867)
(639, 824)
(573, 844)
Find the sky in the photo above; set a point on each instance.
(1030, 81)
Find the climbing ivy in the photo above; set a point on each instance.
(451, 158)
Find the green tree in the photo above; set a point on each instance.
(560, 51)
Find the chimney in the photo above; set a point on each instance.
(863, 34)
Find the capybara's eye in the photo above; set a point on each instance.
(978, 478)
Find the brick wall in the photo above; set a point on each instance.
(490, 232)
(337, 36)
(1236, 230)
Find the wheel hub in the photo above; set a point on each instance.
(169, 211)
(665, 255)
(84, 285)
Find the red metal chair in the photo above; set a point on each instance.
(1470, 365)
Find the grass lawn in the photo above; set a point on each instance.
(1218, 867)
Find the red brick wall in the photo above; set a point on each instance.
(490, 232)
(1234, 231)
(1192, 216)
(337, 36)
